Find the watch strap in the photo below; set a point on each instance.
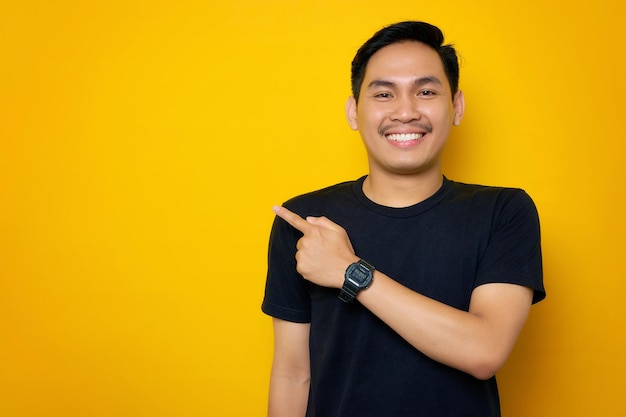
(348, 292)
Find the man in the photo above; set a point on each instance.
(403, 292)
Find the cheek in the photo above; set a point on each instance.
(442, 115)
(372, 116)
(367, 121)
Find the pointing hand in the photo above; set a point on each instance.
(324, 251)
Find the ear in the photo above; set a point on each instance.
(459, 107)
(351, 113)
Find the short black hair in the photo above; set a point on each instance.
(401, 32)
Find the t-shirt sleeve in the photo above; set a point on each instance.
(513, 253)
(286, 291)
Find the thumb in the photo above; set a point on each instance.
(324, 222)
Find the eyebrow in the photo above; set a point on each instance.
(431, 79)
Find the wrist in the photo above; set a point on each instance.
(358, 276)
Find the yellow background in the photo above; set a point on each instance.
(142, 144)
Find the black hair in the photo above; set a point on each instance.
(400, 32)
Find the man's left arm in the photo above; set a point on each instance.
(477, 341)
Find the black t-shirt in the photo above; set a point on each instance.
(460, 238)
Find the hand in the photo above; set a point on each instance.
(324, 252)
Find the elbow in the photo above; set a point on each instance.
(486, 367)
(483, 372)
(486, 359)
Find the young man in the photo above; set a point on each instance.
(401, 293)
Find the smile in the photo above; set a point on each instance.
(404, 137)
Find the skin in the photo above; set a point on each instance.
(405, 91)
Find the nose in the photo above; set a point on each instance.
(406, 109)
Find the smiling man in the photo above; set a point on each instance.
(403, 292)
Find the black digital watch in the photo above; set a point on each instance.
(359, 276)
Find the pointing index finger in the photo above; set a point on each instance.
(291, 218)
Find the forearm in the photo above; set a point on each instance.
(476, 341)
(288, 396)
(291, 370)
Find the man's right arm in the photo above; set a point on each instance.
(291, 370)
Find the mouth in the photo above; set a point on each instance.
(404, 137)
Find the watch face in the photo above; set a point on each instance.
(359, 274)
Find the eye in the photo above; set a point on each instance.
(426, 93)
(383, 95)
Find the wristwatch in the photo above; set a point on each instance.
(359, 276)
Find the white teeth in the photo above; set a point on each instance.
(404, 137)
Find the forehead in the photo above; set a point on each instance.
(404, 59)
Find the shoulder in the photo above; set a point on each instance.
(495, 207)
(497, 196)
(468, 190)
(317, 202)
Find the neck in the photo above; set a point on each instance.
(401, 190)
